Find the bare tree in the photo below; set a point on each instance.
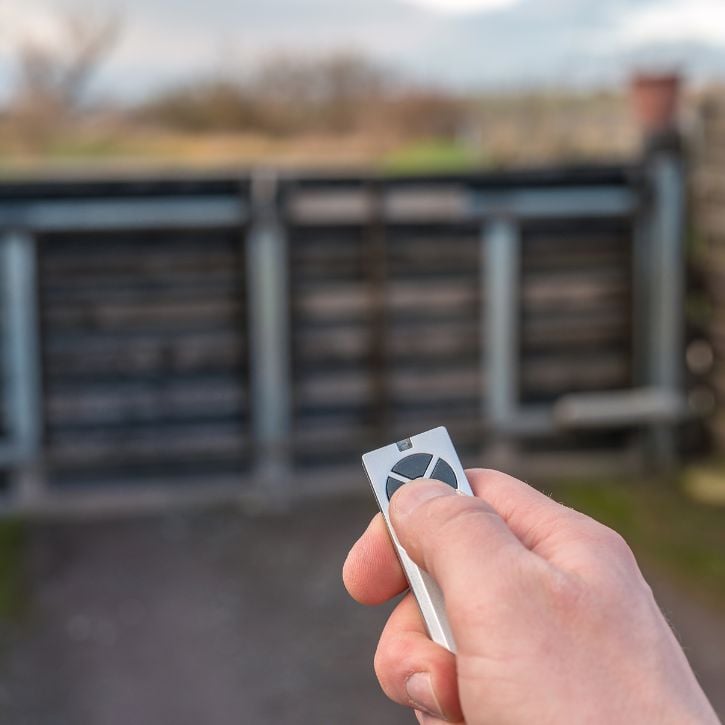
(53, 75)
(326, 93)
(285, 95)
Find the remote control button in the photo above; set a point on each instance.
(413, 466)
(443, 472)
(392, 486)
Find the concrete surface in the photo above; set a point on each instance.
(219, 619)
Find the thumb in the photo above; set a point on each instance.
(459, 540)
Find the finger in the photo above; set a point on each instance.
(424, 719)
(413, 670)
(372, 572)
(531, 515)
(460, 540)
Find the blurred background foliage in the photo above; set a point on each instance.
(668, 529)
(330, 109)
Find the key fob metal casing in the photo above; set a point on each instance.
(428, 455)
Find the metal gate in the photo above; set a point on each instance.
(206, 338)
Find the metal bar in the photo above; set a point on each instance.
(619, 408)
(21, 348)
(269, 324)
(501, 246)
(464, 205)
(201, 212)
(123, 214)
(667, 273)
(556, 203)
(666, 340)
(532, 420)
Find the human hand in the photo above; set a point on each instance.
(552, 618)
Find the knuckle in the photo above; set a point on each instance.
(604, 544)
(616, 544)
(566, 592)
(609, 568)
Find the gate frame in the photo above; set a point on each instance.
(657, 206)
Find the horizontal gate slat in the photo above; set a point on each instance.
(144, 353)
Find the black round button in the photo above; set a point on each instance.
(392, 486)
(414, 467)
(443, 472)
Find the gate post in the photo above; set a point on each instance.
(269, 344)
(666, 304)
(21, 363)
(501, 260)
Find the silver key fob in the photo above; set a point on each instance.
(428, 455)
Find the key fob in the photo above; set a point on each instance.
(427, 455)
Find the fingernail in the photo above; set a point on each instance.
(409, 497)
(420, 691)
(424, 719)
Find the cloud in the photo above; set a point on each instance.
(29, 19)
(167, 41)
(462, 6)
(676, 21)
(465, 42)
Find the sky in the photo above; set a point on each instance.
(482, 43)
(462, 6)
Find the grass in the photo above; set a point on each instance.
(432, 155)
(139, 149)
(12, 540)
(501, 130)
(665, 528)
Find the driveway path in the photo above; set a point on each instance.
(220, 619)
